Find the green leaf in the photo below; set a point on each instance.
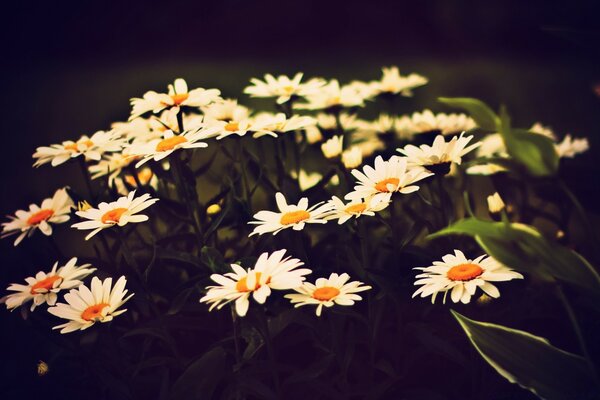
(214, 260)
(479, 111)
(530, 361)
(201, 378)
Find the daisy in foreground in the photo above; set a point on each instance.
(289, 216)
(52, 211)
(120, 212)
(43, 288)
(460, 277)
(270, 272)
(327, 292)
(87, 306)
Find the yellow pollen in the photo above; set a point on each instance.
(381, 186)
(113, 216)
(289, 89)
(293, 217)
(356, 208)
(232, 126)
(169, 143)
(241, 285)
(46, 284)
(73, 146)
(40, 216)
(464, 272)
(179, 98)
(94, 312)
(325, 293)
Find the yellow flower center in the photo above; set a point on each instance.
(356, 208)
(381, 186)
(170, 143)
(179, 98)
(40, 216)
(464, 272)
(232, 126)
(242, 286)
(93, 313)
(325, 293)
(74, 146)
(113, 216)
(44, 284)
(293, 217)
(289, 89)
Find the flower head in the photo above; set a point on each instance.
(333, 96)
(570, 147)
(343, 212)
(332, 148)
(272, 124)
(283, 87)
(393, 83)
(427, 121)
(352, 157)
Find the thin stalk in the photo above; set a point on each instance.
(270, 352)
(86, 177)
(442, 199)
(236, 334)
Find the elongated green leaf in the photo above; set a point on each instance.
(530, 361)
(201, 378)
(479, 111)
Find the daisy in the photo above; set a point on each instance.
(332, 96)
(92, 148)
(111, 165)
(385, 178)
(120, 212)
(427, 121)
(283, 87)
(343, 212)
(393, 83)
(43, 288)
(289, 216)
(159, 149)
(53, 210)
(328, 291)
(486, 169)
(271, 272)
(87, 306)
(329, 122)
(438, 157)
(145, 176)
(570, 147)
(225, 110)
(352, 158)
(461, 277)
(495, 203)
(177, 96)
(269, 124)
(332, 148)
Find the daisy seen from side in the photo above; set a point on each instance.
(283, 88)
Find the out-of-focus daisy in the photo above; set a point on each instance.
(393, 83)
(177, 96)
(461, 277)
(86, 306)
(111, 165)
(145, 177)
(352, 158)
(159, 149)
(271, 272)
(307, 180)
(43, 288)
(289, 216)
(327, 292)
(570, 147)
(386, 178)
(332, 148)
(495, 203)
(329, 122)
(92, 148)
(121, 212)
(53, 210)
(332, 96)
(283, 87)
(226, 110)
(343, 212)
(486, 169)
(438, 157)
(427, 121)
(269, 124)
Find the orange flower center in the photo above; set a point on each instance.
(144, 177)
(113, 216)
(179, 98)
(93, 313)
(356, 208)
(464, 272)
(381, 186)
(45, 284)
(169, 143)
(74, 146)
(325, 293)
(232, 126)
(242, 286)
(293, 217)
(40, 216)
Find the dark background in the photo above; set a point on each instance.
(69, 69)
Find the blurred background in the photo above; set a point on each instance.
(69, 68)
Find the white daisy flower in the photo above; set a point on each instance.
(495, 203)
(393, 83)
(283, 87)
(333, 96)
(306, 180)
(226, 110)
(486, 169)
(570, 147)
(271, 272)
(111, 165)
(289, 216)
(460, 277)
(343, 212)
(385, 178)
(121, 212)
(332, 148)
(43, 288)
(269, 124)
(328, 291)
(92, 148)
(53, 210)
(352, 157)
(87, 306)
(438, 157)
(427, 121)
(329, 122)
(177, 96)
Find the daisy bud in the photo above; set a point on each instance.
(333, 147)
(42, 368)
(213, 209)
(352, 158)
(313, 134)
(495, 204)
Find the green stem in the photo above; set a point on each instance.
(270, 351)
(442, 195)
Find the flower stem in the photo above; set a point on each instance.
(86, 177)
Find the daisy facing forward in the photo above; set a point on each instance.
(270, 272)
(87, 306)
(52, 211)
(120, 212)
(283, 87)
(289, 216)
(460, 277)
(43, 288)
(328, 291)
